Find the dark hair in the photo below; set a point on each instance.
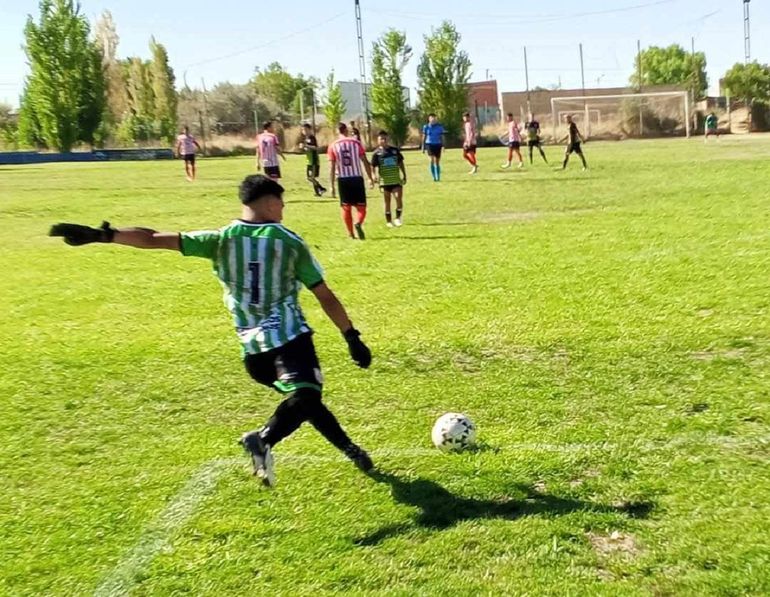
(267, 124)
(342, 128)
(382, 134)
(307, 125)
(510, 114)
(432, 114)
(256, 186)
(468, 114)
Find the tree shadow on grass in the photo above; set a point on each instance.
(440, 509)
(403, 237)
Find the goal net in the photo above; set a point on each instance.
(660, 114)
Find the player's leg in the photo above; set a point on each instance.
(579, 151)
(542, 153)
(299, 365)
(566, 156)
(347, 218)
(510, 157)
(399, 193)
(192, 167)
(517, 151)
(438, 163)
(360, 218)
(531, 146)
(388, 215)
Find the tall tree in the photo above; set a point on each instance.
(107, 39)
(281, 87)
(748, 81)
(138, 123)
(335, 105)
(163, 92)
(390, 55)
(64, 93)
(443, 75)
(672, 66)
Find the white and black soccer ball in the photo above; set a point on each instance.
(453, 432)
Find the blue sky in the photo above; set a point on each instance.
(225, 40)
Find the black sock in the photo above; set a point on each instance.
(289, 415)
(324, 421)
(398, 213)
(388, 217)
(542, 153)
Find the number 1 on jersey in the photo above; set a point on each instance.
(254, 268)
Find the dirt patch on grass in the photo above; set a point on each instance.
(616, 543)
(711, 355)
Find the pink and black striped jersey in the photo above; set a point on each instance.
(267, 146)
(513, 131)
(346, 153)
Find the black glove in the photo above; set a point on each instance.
(359, 351)
(76, 234)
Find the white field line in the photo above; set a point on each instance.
(182, 507)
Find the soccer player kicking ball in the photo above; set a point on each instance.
(514, 142)
(432, 143)
(346, 155)
(533, 137)
(185, 148)
(310, 145)
(268, 150)
(573, 144)
(389, 169)
(261, 265)
(469, 142)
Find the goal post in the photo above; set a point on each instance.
(627, 114)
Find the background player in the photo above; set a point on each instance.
(354, 132)
(469, 142)
(261, 265)
(268, 150)
(573, 143)
(185, 148)
(390, 172)
(514, 142)
(346, 155)
(712, 126)
(313, 168)
(432, 143)
(533, 137)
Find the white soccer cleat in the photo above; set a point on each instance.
(398, 222)
(504, 166)
(521, 164)
(389, 224)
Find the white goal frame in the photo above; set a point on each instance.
(586, 99)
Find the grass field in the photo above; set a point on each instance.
(607, 330)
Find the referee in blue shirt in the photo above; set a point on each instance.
(432, 143)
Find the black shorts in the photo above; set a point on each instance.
(352, 190)
(189, 158)
(574, 147)
(313, 170)
(514, 144)
(469, 149)
(433, 149)
(273, 171)
(287, 368)
(389, 188)
(533, 143)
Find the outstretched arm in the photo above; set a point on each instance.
(141, 238)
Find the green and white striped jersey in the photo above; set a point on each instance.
(260, 267)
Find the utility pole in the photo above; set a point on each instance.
(639, 74)
(746, 31)
(586, 119)
(526, 79)
(362, 71)
(205, 115)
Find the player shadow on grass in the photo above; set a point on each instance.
(440, 509)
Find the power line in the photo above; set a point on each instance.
(269, 43)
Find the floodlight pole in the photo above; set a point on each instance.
(526, 82)
(746, 31)
(362, 71)
(586, 119)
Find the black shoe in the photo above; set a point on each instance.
(261, 457)
(360, 232)
(359, 457)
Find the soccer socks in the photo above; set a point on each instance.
(433, 171)
(438, 172)
(361, 213)
(389, 217)
(347, 217)
(398, 214)
(542, 153)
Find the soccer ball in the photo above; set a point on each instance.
(453, 432)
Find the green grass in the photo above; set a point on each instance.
(607, 330)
